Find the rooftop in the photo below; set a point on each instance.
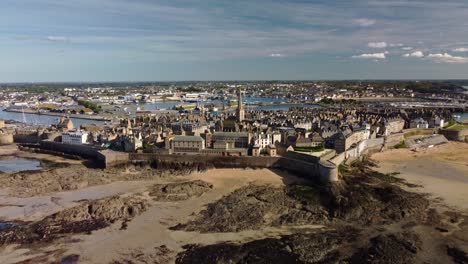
(188, 138)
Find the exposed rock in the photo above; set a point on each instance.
(74, 177)
(400, 248)
(158, 255)
(356, 200)
(179, 191)
(337, 246)
(253, 207)
(458, 256)
(322, 247)
(83, 218)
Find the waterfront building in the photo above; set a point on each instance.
(75, 137)
(65, 124)
(419, 123)
(346, 139)
(256, 150)
(271, 150)
(262, 140)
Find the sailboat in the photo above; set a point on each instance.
(24, 116)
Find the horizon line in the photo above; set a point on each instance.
(246, 80)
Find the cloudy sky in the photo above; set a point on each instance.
(133, 40)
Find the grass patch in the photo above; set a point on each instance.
(418, 131)
(458, 127)
(309, 149)
(342, 168)
(401, 145)
(450, 123)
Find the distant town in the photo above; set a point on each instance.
(228, 118)
(165, 170)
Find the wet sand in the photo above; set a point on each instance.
(149, 237)
(441, 171)
(148, 230)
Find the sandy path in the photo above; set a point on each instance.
(442, 171)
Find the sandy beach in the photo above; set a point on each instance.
(150, 229)
(73, 214)
(441, 171)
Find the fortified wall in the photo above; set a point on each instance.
(393, 140)
(452, 134)
(85, 151)
(6, 139)
(26, 137)
(302, 165)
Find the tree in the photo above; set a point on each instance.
(91, 105)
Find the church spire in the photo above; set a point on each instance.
(240, 106)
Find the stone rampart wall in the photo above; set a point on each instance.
(313, 169)
(26, 138)
(456, 135)
(393, 140)
(85, 151)
(6, 139)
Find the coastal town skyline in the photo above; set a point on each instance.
(242, 132)
(120, 40)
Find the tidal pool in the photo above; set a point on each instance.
(10, 165)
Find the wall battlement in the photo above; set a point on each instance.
(314, 169)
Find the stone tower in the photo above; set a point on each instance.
(240, 107)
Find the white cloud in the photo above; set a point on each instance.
(396, 45)
(461, 50)
(277, 55)
(377, 56)
(364, 22)
(407, 48)
(447, 58)
(416, 54)
(56, 38)
(377, 45)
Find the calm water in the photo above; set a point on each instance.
(18, 164)
(6, 225)
(43, 120)
(152, 106)
(262, 100)
(283, 107)
(463, 116)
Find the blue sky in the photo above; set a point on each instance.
(153, 40)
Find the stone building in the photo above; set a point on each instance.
(419, 123)
(187, 145)
(231, 140)
(392, 127)
(271, 150)
(65, 124)
(75, 137)
(346, 140)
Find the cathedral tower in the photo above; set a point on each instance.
(240, 107)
